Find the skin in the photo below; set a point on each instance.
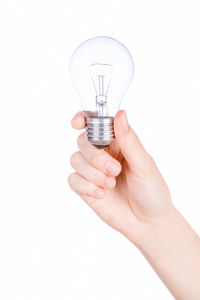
(124, 187)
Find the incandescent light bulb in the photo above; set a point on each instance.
(101, 70)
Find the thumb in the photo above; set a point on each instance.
(130, 145)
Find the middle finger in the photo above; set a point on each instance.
(81, 166)
(98, 158)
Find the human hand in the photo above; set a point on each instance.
(121, 183)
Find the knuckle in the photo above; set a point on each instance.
(100, 179)
(70, 180)
(74, 158)
(80, 139)
(92, 189)
(95, 158)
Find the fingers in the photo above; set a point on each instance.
(95, 169)
(98, 159)
(78, 121)
(83, 168)
(83, 187)
(131, 147)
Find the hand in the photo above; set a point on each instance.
(122, 183)
(124, 187)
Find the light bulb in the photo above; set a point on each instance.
(101, 70)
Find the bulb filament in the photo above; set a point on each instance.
(101, 75)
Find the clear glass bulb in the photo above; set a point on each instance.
(101, 70)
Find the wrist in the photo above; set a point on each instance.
(172, 248)
(146, 233)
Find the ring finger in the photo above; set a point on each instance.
(83, 187)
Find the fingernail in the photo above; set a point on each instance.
(100, 193)
(125, 124)
(110, 182)
(112, 169)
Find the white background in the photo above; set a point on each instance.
(52, 246)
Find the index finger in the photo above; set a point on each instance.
(78, 121)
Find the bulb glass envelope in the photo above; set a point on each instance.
(101, 70)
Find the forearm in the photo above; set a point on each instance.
(173, 249)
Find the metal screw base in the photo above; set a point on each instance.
(100, 130)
